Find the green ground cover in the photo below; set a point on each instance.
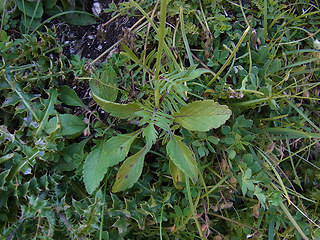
(202, 123)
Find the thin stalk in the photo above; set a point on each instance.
(3, 15)
(178, 228)
(265, 18)
(250, 59)
(184, 37)
(203, 182)
(166, 48)
(266, 158)
(24, 16)
(233, 221)
(116, 44)
(163, 10)
(302, 114)
(298, 151)
(295, 224)
(293, 166)
(58, 15)
(243, 14)
(192, 206)
(33, 14)
(102, 210)
(112, 19)
(230, 57)
(217, 185)
(161, 216)
(144, 81)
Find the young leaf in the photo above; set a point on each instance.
(197, 73)
(128, 53)
(69, 97)
(150, 134)
(71, 125)
(130, 171)
(116, 109)
(94, 168)
(202, 115)
(49, 109)
(182, 157)
(73, 156)
(106, 86)
(177, 175)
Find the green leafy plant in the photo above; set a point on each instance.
(121, 168)
(32, 13)
(159, 117)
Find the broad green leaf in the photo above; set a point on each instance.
(31, 9)
(182, 157)
(105, 155)
(106, 86)
(69, 97)
(4, 38)
(72, 156)
(117, 148)
(202, 115)
(116, 109)
(49, 3)
(71, 125)
(94, 168)
(150, 134)
(177, 175)
(130, 171)
(248, 174)
(80, 19)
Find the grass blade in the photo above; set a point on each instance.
(295, 224)
(230, 57)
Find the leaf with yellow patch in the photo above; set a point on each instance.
(130, 171)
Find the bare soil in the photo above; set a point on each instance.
(92, 40)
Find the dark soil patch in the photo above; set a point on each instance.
(92, 40)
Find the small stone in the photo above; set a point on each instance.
(96, 8)
(316, 44)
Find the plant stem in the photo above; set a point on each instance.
(102, 213)
(184, 37)
(292, 220)
(161, 221)
(230, 57)
(193, 209)
(163, 9)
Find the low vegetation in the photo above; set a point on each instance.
(202, 122)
